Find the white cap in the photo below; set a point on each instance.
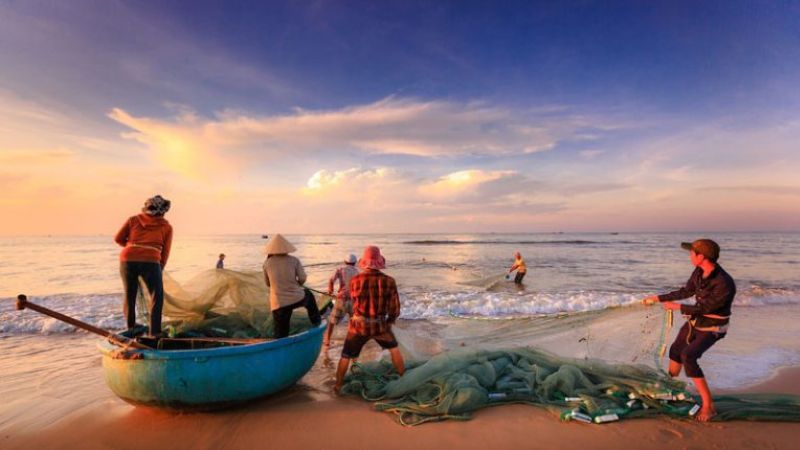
(350, 259)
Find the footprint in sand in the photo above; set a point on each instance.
(668, 433)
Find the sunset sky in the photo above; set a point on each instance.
(400, 116)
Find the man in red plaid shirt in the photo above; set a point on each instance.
(376, 306)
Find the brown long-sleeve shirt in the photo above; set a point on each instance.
(714, 295)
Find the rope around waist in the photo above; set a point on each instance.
(363, 319)
(716, 329)
(150, 247)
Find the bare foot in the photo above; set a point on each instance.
(337, 389)
(706, 414)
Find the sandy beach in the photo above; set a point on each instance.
(72, 408)
(299, 418)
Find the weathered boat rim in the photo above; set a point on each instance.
(107, 347)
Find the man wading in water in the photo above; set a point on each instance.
(708, 318)
(519, 266)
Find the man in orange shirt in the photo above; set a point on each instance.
(146, 239)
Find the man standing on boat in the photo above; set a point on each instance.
(376, 307)
(344, 303)
(284, 276)
(519, 266)
(714, 291)
(146, 238)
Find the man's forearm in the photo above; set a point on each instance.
(680, 294)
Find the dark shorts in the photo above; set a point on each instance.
(687, 349)
(353, 343)
(519, 277)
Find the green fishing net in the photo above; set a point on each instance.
(455, 383)
(222, 303)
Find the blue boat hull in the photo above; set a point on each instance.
(210, 378)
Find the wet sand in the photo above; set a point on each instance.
(302, 418)
(72, 408)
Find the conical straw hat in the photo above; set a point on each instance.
(278, 244)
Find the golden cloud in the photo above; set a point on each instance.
(388, 126)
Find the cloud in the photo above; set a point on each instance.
(477, 186)
(324, 179)
(374, 199)
(19, 115)
(32, 130)
(466, 192)
(704, 154)
(38, 157)
(582, 188)
(591, 154)
(780, 190)
(388, 126)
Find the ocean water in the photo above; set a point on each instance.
(453, 291)
(438, 275)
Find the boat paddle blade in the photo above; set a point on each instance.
(22, 300)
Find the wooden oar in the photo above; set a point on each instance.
(22, 303)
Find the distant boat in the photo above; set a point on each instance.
(264, 236)
(614, 234)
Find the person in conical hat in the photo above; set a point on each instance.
(278, 245)
(285, 276)
(344, 304)
(376, 307)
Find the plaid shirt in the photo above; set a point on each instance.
(376, 303)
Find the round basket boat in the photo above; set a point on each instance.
(209, 378)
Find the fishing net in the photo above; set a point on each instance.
(222, 303)
(486, 282)
(453, 384)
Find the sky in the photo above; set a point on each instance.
(400, 116)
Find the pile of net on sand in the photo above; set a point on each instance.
(222, 303)
(453, 384)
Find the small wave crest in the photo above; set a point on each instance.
(502, 304)
(101, 310)
(493, 242)
(105, 310)
(512, 302)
